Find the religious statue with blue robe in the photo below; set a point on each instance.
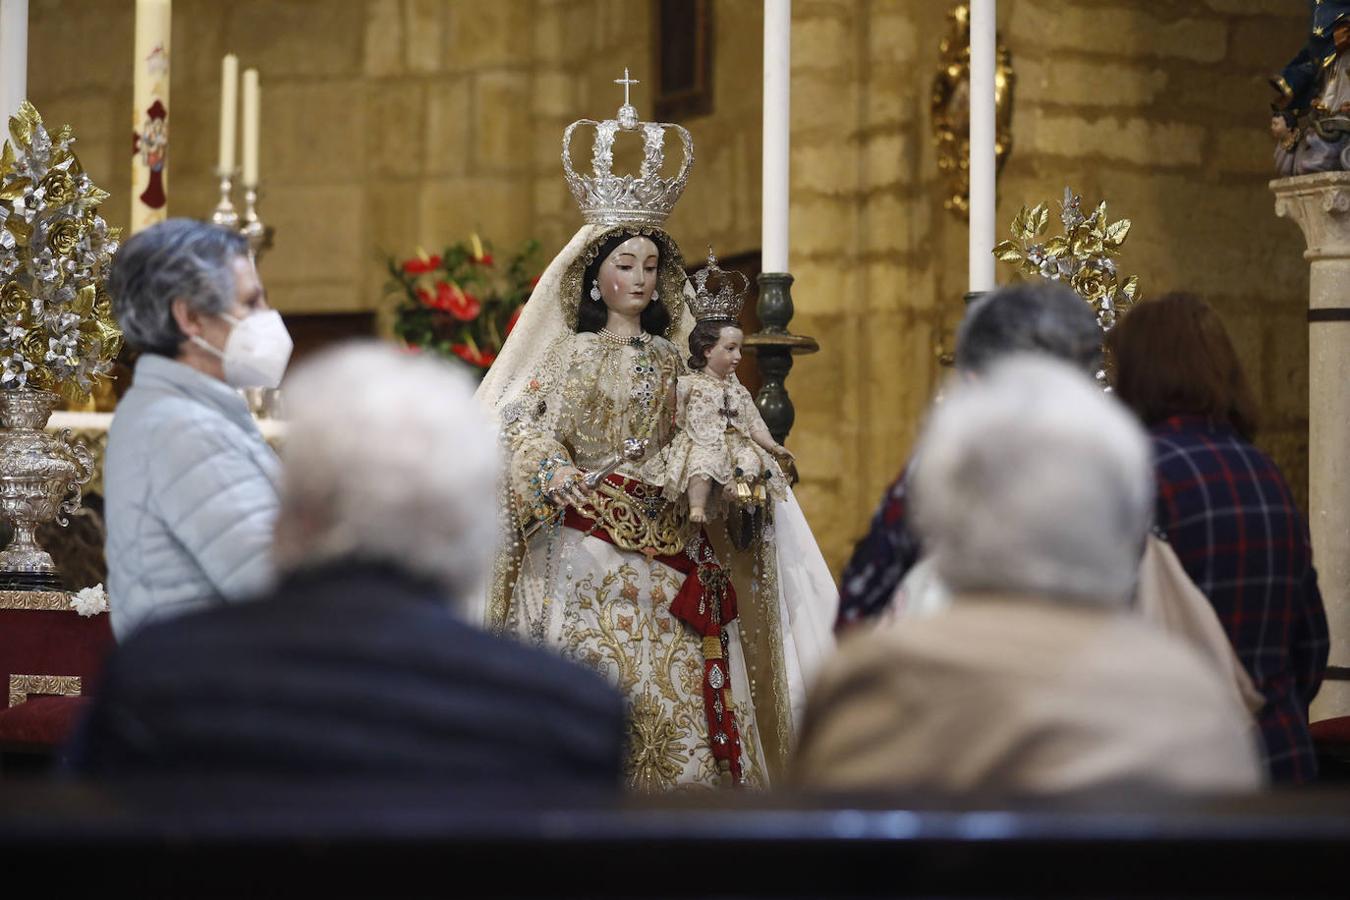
(1311, 122)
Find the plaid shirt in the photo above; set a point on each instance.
(1228, 514)
(880, 560)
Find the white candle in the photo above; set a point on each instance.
(777, 95)
(229, 112)
(251, 101)
(150, 113)
(13, 58)
(982, 189)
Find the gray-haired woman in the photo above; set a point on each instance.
(191, 486)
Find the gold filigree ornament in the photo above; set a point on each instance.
(639, 521)
(1083, 257)
(656, 753)
(950, 108)
(21, 687)
(57, 331)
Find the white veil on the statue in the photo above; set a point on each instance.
(533, 360)
(535, 350)
(807, 597)
(549, 316)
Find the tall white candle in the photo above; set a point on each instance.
(150, 113)
(13, 57)
(777, 97)
(982, 187)
(229, 112)
(251, 101)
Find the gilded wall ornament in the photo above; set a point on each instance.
(950, 107)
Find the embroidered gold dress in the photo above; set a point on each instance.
(606, 603)
(715, 418)
(603, 593)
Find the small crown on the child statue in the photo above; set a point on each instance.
(726, 302)
(644, 199)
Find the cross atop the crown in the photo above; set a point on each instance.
(626, 82)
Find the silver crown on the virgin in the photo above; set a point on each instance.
(644, 199)
(726, 301)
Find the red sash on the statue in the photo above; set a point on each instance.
(705, 602)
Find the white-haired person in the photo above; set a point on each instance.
(1043, 317)
(189, 481)
(1032, 492)
(362, 662)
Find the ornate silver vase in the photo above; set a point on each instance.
(41, 476)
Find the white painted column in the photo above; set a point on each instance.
(983, 197)
(777, 126)
(1320, 204)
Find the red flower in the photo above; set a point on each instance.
(515, 317)
(456, 302)
(484, 260)
(452, 299)
(534, 282)
(421, 265)
(473, 356)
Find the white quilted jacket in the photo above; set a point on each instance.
(191, 496)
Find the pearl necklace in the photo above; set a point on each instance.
(637, 340)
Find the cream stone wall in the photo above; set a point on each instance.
(393, 123)
(1160, 108)
(1178, 142)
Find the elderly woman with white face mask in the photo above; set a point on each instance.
(191, 486)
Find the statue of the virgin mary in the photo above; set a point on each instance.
(712, 645)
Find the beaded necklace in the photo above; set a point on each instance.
(640, 338)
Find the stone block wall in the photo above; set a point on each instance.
(1177, 141)
(393, 123)
(1160, 108)
(386, 124)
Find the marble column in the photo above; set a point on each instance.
(1320, 204)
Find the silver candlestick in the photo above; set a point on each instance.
(258, 235)
(224, 214)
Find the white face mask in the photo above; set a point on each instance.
(256, 352)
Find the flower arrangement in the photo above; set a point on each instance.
(1084, 256)
(90, 601)
(461, 303)
(57, 330)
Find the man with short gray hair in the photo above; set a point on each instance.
(1037, 317)
(190, 484)
(363, 660)
(1033, 317)
(1032, 492)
